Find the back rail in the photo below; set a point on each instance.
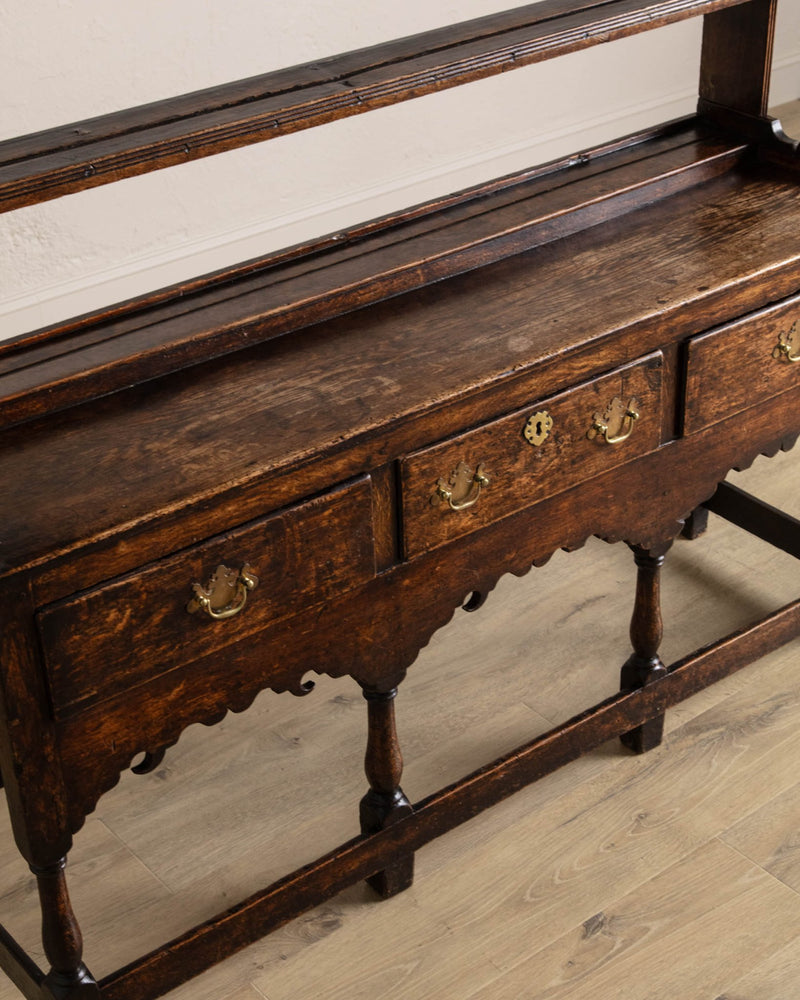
(71, 158)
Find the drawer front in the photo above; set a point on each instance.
(459, 485)
(741, 364)
(113, 637)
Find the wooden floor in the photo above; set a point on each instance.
(673, 876)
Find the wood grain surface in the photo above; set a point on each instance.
(402, 374)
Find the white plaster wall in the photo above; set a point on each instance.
(63, 60)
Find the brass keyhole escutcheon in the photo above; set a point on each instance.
(537, 428)
(788, 347)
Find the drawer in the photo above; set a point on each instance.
(108, 639)
(741, 364)
(462, 484)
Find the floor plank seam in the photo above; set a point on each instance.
(133, 854)
(775, 878)
(255, 990)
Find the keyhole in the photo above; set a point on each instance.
(538, 427)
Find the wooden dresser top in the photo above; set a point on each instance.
(282, 419)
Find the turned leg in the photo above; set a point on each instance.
(644, 664)
(385, 802)
(68, 978)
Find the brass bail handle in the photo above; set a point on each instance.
(463, 489)
(616, 424)
(226, 593)
(788, 347)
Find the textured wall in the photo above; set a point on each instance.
(69, 59)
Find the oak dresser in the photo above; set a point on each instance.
(309, 462)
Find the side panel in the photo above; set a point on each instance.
(29, 757)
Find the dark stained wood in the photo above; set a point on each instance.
(757, 517)
(68, 978)
(233, 309)
(385, 519)
(412, 223)
(696, 524)
(733, 369)
(736, 58)
(307, 555)
(85, 154)
(385, 802)
(587, 347)
(30, 764)
(712, 254)
(519, 472)
(23, 972)
(440, 812)
(644, 666)
(415, 599)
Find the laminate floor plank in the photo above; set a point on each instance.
(552, 869)
(678, 935)
(774, 979)
(116, 898)
(293, 778)
(770, 837)
(404, 957)
(622, 827)
(545, 870)
(246, 993)
(301, 800)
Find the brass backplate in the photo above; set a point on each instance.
(788, 348)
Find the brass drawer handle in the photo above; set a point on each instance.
(463, 489)
(226, 593)
(616, 424)
(788, 348)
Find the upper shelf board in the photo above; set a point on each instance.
(70, 158)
